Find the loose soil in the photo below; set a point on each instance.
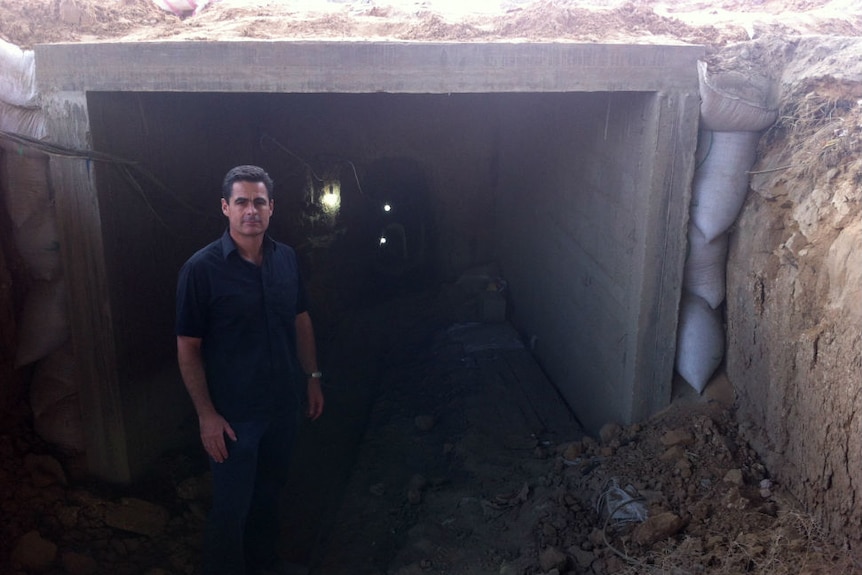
(454, 454)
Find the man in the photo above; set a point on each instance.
(244, 337)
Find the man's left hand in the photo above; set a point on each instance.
(315, 398)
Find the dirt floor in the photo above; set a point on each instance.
(434, 457)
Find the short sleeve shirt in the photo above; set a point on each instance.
(245, 316)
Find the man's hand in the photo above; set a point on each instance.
(213, 429)
(315, 398)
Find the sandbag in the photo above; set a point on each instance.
(38, 243)
(180, 7)
(54, 379)
(61, 424)
(720, 183)
(44, 322)
(24, 183)
(699, 341)
(732, 101)
(705, 267)
(30, 122)
(17, 75)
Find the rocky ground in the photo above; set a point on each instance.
(449, 477)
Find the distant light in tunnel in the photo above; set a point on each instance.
(387, 207)
(331, 197)
(382, 240)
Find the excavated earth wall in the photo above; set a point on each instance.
(794, 291)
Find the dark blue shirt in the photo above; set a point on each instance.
(245, 315)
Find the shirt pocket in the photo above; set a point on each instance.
(280, 301)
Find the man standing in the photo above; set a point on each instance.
(244, 338)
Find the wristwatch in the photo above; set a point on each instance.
(315, 375)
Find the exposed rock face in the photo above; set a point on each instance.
(794, 305)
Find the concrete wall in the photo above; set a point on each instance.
(468, 129)
(574, 221)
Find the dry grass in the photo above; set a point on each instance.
(820, 127)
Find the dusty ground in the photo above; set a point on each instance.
(691, 21)
(458, 491)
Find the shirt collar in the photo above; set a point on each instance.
(228, 246)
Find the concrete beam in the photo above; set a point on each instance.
(349, 67)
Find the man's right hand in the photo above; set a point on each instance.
(213, 429)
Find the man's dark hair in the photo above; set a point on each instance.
(245, 174)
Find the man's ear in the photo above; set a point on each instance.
(224, 206)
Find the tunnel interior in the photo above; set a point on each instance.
(381, 195)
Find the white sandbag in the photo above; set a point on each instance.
(44, 323)
(17, 75)
(180, 7)
(30, 122)
(705, 267)
(38, 243)
(721, 181)
(24, 186)
(699, 341)
(733, 101)
(62, 425)
(54, 379)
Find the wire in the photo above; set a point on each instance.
(124, 166)
(287, 151)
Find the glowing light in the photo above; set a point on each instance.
(382, 240)
(387, 207)
(330, 197)
(330, 200)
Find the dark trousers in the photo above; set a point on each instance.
(242, 528)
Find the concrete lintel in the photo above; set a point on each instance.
(363, 67)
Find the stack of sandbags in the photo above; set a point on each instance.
(43, 326)
(735, 109)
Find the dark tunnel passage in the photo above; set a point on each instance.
(438, 234)
(392, 205)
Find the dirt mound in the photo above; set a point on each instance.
(688, 21)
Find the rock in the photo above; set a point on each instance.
(582, 558)
(44, 470)
(609, 432)
(573, 450)
(417, 481)
(195, 488)
(137, 516)
(734, 476)
(33, 552)
(734, 499)
(425, 422)
(552, 558)
(683, 467)
(414, 496)
(68, 515)
(674, 453)
(656, 528)
(78, 563)
(677, 437)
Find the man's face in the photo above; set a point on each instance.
(248, 209)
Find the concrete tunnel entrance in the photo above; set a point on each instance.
(567, 165)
